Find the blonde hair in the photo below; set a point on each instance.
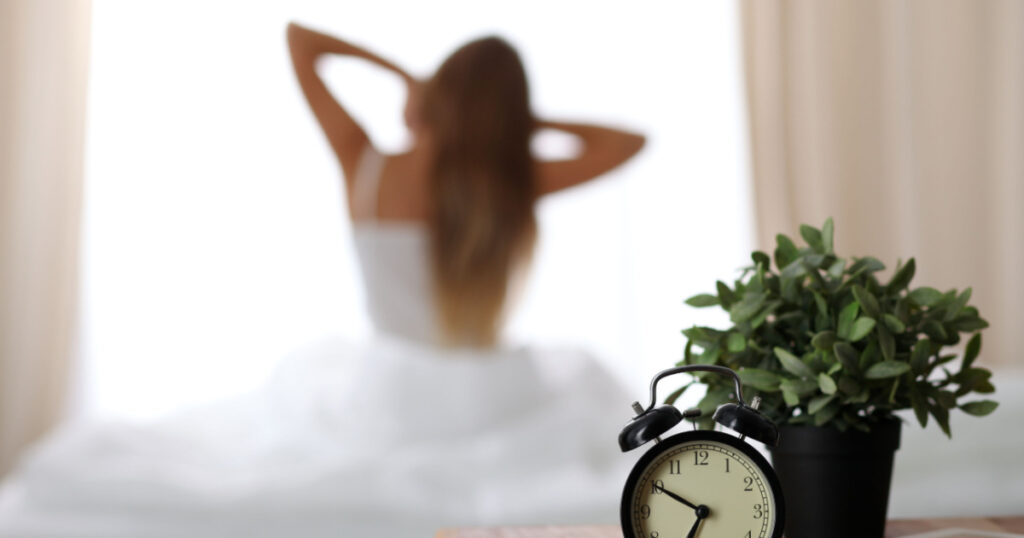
(483, 228)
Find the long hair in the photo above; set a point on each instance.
(476, 108)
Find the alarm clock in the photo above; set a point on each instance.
(701, 483)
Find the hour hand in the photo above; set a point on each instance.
(693, 529)
(702, 512)
(676, 497)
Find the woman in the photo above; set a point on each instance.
(467, 186)
(400, 437)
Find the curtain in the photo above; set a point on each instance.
(43, 62)
(903, 120)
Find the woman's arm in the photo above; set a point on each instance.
(604, 148)
(346, 136)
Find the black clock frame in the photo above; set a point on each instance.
(625, 509)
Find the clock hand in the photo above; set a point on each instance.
(676, 497)
(702, 512)
(693, 529)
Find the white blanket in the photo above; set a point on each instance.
(388, 440)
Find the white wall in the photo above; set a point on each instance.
(215, 240)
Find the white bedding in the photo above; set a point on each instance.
(345, 440)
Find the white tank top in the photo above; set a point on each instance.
(394, 260)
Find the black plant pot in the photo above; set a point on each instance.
(836, 484)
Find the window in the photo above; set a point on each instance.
(215, 241)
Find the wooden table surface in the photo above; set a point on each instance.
(894, 529)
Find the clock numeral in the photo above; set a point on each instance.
(645, 511)
(700, 457)
(727, 465)
(749, 483)
(656, 487)
(758, 513)
(675, 467)
(747, 535)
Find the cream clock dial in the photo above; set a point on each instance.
(702, 484)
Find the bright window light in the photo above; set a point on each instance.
(215, 239)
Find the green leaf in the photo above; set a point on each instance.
(945, 398)
(886, 369)
(926, 296)
(735, 342)
(671, 399)
(813, 237)
(794, 270)
(818, 402)
(747, 307)
(827, 233)
(846, 319)
(849, 385)
(760, 258)
(800, 387)
(935, 331)
(702, 300)
(792, 363)
(826, 384)
(979, 408)
(919, 356)
(968, 324)
(887, 343)
(971, 379)
(868, 302)
(902, 278)
(860, 398)
(985, 387)
(971, 353)
(920, 408)
(870, 354)
(785, 252)
(861, 328)
(703, 336)
(828, 413)
(941, 415)
(847, 355)
(711, 354)
(893, 323)
(866, 264)
(819, 301)
(957, 305)
(762, 380)
(763, 314)
(725, 295)
(812, 272)
(836, 269)
(815, 261)
(824, 340)
(790, 397)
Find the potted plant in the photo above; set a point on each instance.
(833, 352)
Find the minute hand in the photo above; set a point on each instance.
(676, 497)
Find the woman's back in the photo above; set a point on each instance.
(393, 251)
(444, 229)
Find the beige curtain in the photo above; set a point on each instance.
(43, 70)
(904, 120)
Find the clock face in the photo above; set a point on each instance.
(711, 474)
